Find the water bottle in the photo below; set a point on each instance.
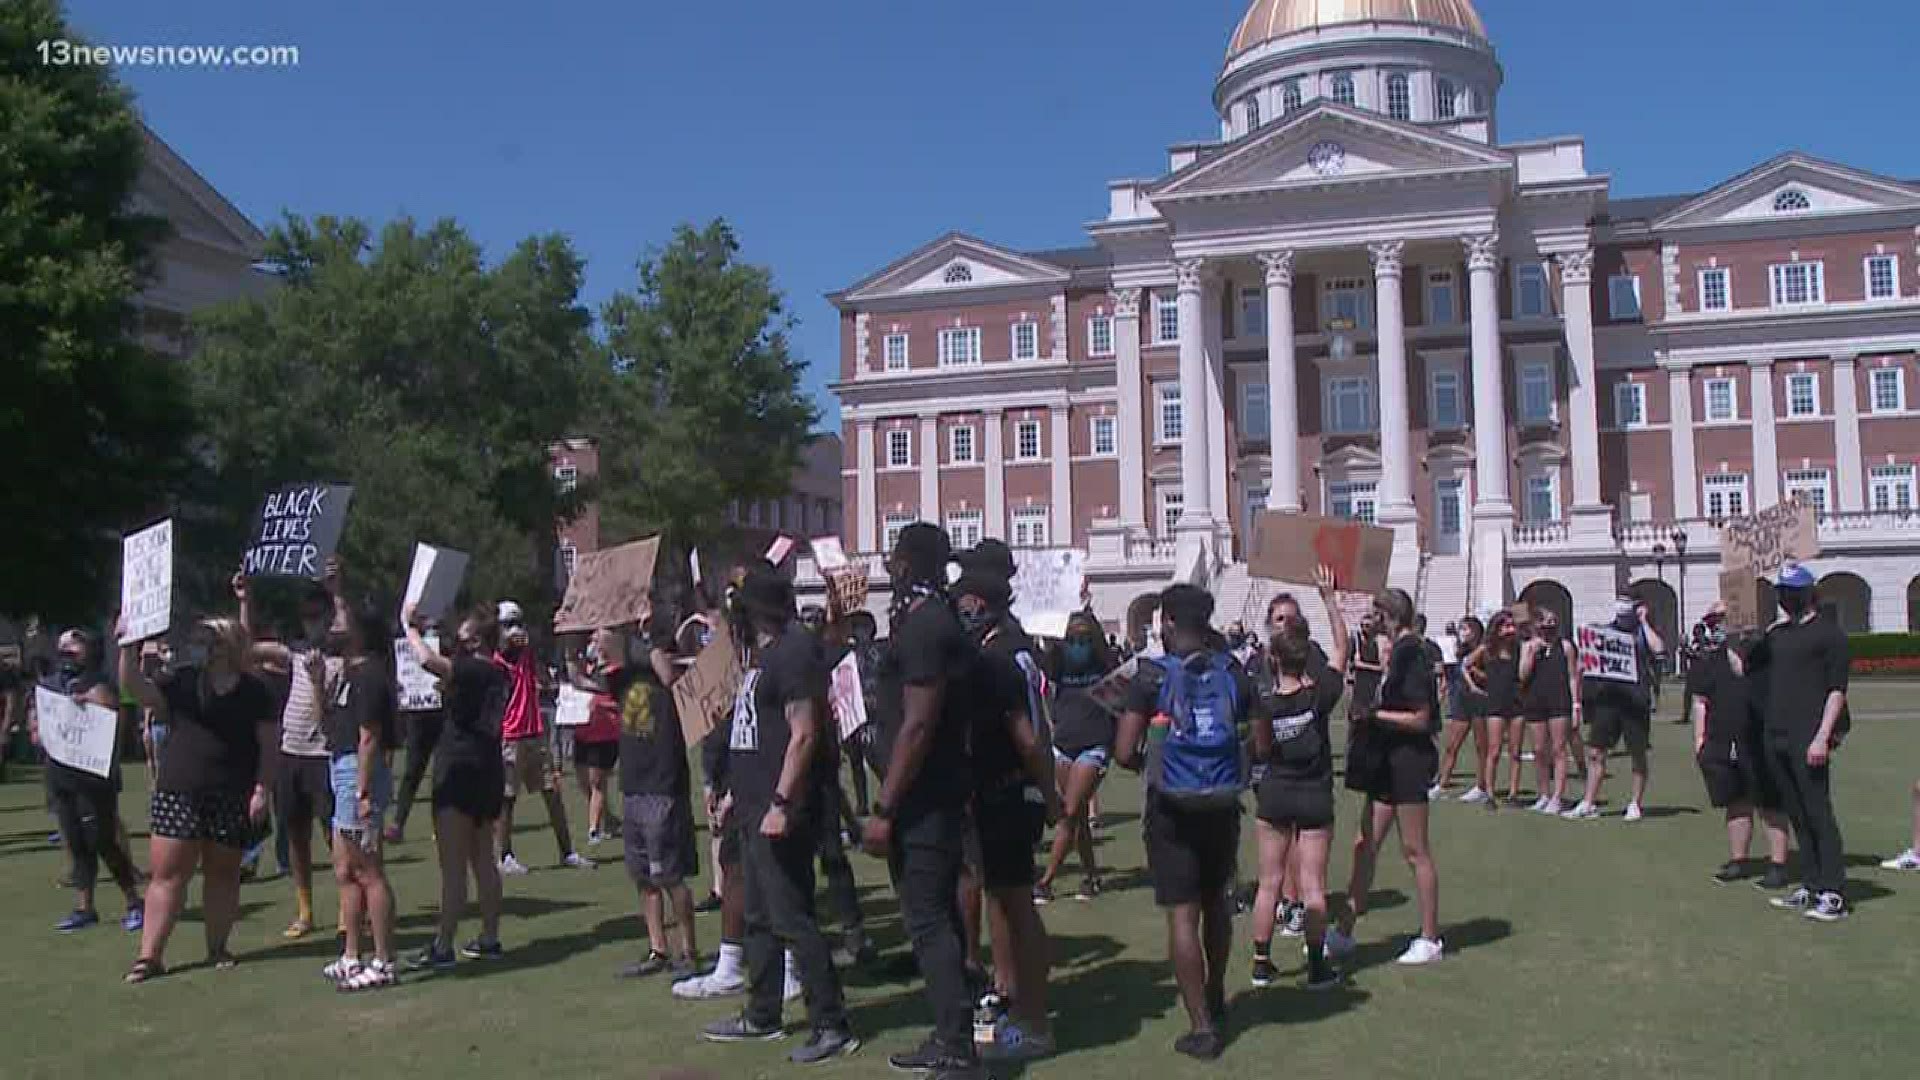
(986, 1018)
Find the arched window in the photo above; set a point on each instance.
(959, 274)
(1443, 98)
(1253, 111)
(1791, 200)
(1290, 96)
(1343, 88)
(1399, 98)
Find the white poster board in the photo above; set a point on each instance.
(434, 582)
(75, 735)
(573, 708)
(146, 582)
(827, 553)
(1609, 654)
(419, 688)
(1047, 584)
(848, 701)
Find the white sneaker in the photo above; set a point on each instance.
(1582, 811)
(1339, 945)
(577, 861)
(1422, 951)
(1551, 808)
(1906, 860)
(1633, 812)
(343, 968)
(710, 985)
(1539, 805)
(1475, 795)
(1435, 792)
(512, 867)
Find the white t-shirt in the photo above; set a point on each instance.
(1449, 649)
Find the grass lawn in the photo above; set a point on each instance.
(1590, 949)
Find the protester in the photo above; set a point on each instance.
(361, 731)
(1910, 858)
(1548, 702)
(1466, 715)
(1401, 726)
(1082, 748)
(1188, 705)
(596, 743)
(1620, 710)
(211, 793)
(523, 745)
(863, 642)
(689, 638)
(1492, 672)
(422, 727)
(1283, 614)
(87, 807)
(1729, 745)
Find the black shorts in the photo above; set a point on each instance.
(1007, 825)
(1363, 756)
(1291, 802)
(1539, 712)
(1610, 722)
(658, 834)
(1192, 855)
(1734, 773)
(596, 755)
(1403, 770)
(218, 816)
(473, 788)
(303, 792)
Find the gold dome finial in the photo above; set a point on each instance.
(1267, 20)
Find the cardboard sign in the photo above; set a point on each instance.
(146, 582)
(573, 708)
(434, 581)
(1111, 692)
(846, 590)
(1761, 543)
(1047, 584)
(1608, 654)
(1292, 547)
(827, 553)
(849, 702)
(419, 688)
(706, 689)
(1740, 595)
(609, 588)
(297, 528)
(778, 551)
(75, 735)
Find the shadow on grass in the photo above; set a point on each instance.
(1656, 812)
(1865, 891)
(1097, 1005)
(1459, 937)
(1293, 1004)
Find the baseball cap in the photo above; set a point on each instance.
(509, 612)
(989, 557)
(1794, 576)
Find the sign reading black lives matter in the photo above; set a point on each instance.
(297, 528)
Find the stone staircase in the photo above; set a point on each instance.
(1447, 595)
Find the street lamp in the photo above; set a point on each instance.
(1680, 561)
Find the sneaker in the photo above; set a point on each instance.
(1435, 792)
(931, 1057)
(1476, 794)
(1774, 879)
(78, 920)
(395, 834)
(1013, 1043)
(482, 949)
(136, 917)
(1042, 895)
(1200, 1045)
(1798, 900)
(1831, 907)
(708, 906)
(654, 964)
(1552, 808)
(1582, 811)
(1264, 973)
(1539, 805)
(1730, 872)
(1633, 812)
(1526, 755)
(1422, 951)
(1294, 922)
(513, 867)
(432, 958)
(1906, 860)
(740, 1029)
(577, 861)
(1089, 889)
(1322, 976)
(342, 968)
(1339, 945)
(709, 986)
(595, 838)
(825, 1044)
(372, 975)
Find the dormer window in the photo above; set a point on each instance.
(1791, 200)
(959, 274)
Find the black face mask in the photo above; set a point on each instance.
(976, 622)
(1795, 602)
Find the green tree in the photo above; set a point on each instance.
(704, 405)
(92, 426)
(408, 367)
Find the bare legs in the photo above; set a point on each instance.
(1740, 819)
(1078, 784)
(1498, 730)
(364, 890)
(1020, 955)
(1379, 819)
(172, 865)
(1200, 940)
(593, 785)
(466, 845)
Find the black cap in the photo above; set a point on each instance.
(989, 557)
(765, 592)
(986, 586)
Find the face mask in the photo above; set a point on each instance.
(1717, 635)
(1077, 655)
(70, 668)
(976, 622)
(196, 655)
(1794, 602)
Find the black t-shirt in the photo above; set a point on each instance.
(1011, 640)
(1547, 684)
(653, 749)
(1409, 685)
(1800, 663)
(214, 744)
(927, 646)
(365, 698)
(994, 687)
(790, 669)
(1730, 706)
(1302, 734)
(476, 696)
(1366, 681)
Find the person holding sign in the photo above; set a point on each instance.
(210, 797)
(88, 806)
(596, 743)
(1729, 745)
(1618, 701)
(362, 729)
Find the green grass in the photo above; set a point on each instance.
(1593, 949)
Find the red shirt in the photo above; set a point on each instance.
(521, 720)
(603, 719)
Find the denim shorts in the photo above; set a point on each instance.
(346, 793)
(1096, 756)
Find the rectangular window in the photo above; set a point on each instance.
(966, 528)
(1543, 496)
(894, 523)
(1350, 405)
(1104, 437)
(1810, 484)
(1100, 335)
(1166, 318)
(1530, 291)
(1341, 88)
(1026, 341)
(1026, 440)
(1173, 502)
(1623, 296)
(1630, 405)
(1449, 403)
(1536, 392)
(1442, 309)
(897, 352)
(1253, 313)
(1803, 394)
(1726, 495)
(1889, 390)
(1443, 95)
(1346, 300)
(566, 477)
(1722, 406)
(1253, 410)
(960, 444)
(1715, 291)
(1030, 526)
(1168, 422)
(960, 347)
(899, 448)
(1399, 97)
(1290, 96)
(1797, 283)
(1883, 277)
(566, 559)
(1354, 500)
(1891, 487)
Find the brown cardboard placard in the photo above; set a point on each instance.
(1761, 543)
(846, 590)
(613, 587)
(707, 688)
(1290, 547)
(1740, 595)
(1111, 692)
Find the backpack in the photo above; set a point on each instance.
(1195, 757)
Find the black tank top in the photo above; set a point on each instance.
(1503, 685)
(1547, 688)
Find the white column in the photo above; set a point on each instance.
(1220, 456)
(1396, 438)
(930, 469)
(1126, 375)
(1686, 474)
(1197, 509)
(1583, 399)
(1492, 501)
(1766, 447)
(865, 495)
(1283, 385)
(995, 423)
(1852, 495)
(1060, 516)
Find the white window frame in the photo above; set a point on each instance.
(1732, 491)
(1030, 526)
(1022, 429)
(1451, 375)
(1781, 284)
(1166, 318)
(1891, 489)
(1893, 277)
(1023, 341)
(1441, 284)
(1897, 377)
(1103, 436)
(566, 477)
(899, 447)
(1623, 296)
(1811, 383)
(1725, 277)
(899, 359)
(566, 559)
(1255, 417)
(1166, 396)
(1338, 385)
(966, 528)
(1290, 97)
(1817, 483)
(1524, 275)
(1173, 503)
(1445, 99)
(961, 437)
(1341, 88)
(1399, 96)
(960, 346)
(1728, 415)
(1634, 417)
(1543, 480)
(1100, 335)
(1539, 372)
(1362, 498)
(1339, 288)
(1253, 312)
(890, 530)
(1251, 103)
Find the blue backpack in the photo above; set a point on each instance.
(1196, 759)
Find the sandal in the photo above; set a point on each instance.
(346, 967)
(297, 929)
(144, 969)
(376, 975)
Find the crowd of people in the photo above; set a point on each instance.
(980, 739)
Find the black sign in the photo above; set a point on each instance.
(297, 528)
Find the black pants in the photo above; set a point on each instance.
(779, 912)
(89, 817)
(842, 894)
(423, 734)
(1807, 795)
(925, 867)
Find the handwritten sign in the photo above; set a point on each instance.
(1740, 595)
(75, 735)
(778, 551)
(573, 708)
(1292, 547)
(609, 588)
(827, 553)
(1111, 692)
(706, 689)
(296, 529)
(434, 581)
(849, 702)
(1761, 543)
(846, 590)
(1609, 654)
(1047, 587)
(419, 688)
(146, 582)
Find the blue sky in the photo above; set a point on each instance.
(837, 135)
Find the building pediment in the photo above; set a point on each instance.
(1791, 187)
(1326, 145)
(169, 188)
(954, 264)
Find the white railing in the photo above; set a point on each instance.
(1869, 521)
(1531, 535)
(1151, 549)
